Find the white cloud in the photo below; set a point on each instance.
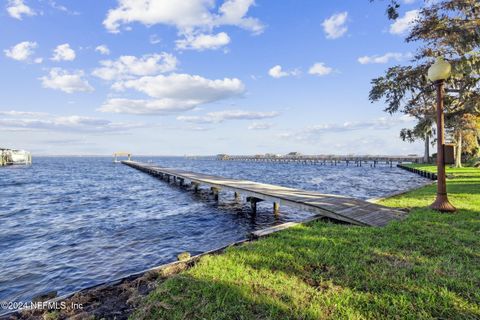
(185, 87)
(221, 116)
(278, 72)
(63, 52)
(408, 1)
(141, 106)
(17, 8)
(233, 12)
(102, 49)
(14, 113)
(172, 93)
(202, 42)
(260, 126)
(320, 69)
(334, 26)
(22, 51)
(385, 58)
(127, 67)
(154, 39)
(69, 82)
(72, 123)
(186, 16)
(53, 4)
(405, 23)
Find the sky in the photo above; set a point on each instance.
(200, 77)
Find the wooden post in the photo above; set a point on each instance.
(195, 187)
(276, 208)
(215, 192)
(253, 205)
(237, 196)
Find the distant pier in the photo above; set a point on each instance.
(336, 207)
(353, 160)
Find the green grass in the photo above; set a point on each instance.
(427, 266)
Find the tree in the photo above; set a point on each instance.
(406, 90)
(466, 134)
(423, 130)
(449, 28)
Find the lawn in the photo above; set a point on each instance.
(427, 266)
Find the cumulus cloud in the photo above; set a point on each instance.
(335, 26)
(187, 16)
(69, 82)
(202, 42)
(320, 69)
(221, 116)
(102, 49)
(278, 72)
(405, 23)
(127, 67)
(72, 123)
(168, 93)
(233, 12)
(172, 93)
(260, 126)
(384, 58)
(22, 51)
(63, 52)
(185, 87)
(17, 9)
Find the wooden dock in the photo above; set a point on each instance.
(336, 207)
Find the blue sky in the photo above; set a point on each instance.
(200, 77)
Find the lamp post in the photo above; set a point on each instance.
(438, 73)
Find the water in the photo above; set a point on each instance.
(70, 223)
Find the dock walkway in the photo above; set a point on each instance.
(336, 207)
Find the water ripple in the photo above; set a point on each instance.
(69, 223)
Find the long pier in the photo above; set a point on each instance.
(355, 160)
(347, 209)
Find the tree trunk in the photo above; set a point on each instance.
(458, 151)
(426, 155)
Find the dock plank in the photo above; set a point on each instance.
(337, 207)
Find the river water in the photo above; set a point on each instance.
(67, 223)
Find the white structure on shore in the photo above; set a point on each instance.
(9, 157)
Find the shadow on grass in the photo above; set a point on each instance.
(187, 297)
(422, 269)
(425, 267)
